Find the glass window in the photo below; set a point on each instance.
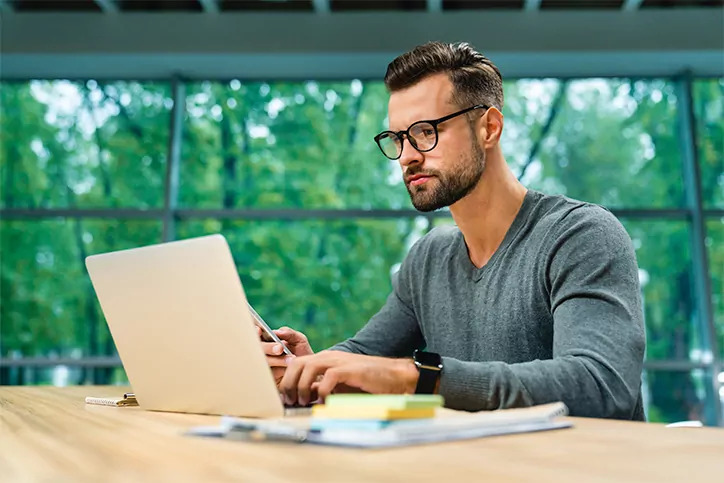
(309, 145)
(608, 141)
(324, 278)
(673, 396)
(83, 144)
(715, 249)
(48, 305)
(663, 252)
(287, 145)
(708, 99)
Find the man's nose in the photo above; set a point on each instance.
(410, 155)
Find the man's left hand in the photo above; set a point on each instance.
(378, 375)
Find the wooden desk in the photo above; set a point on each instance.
(49, 434)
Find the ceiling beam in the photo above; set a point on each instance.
(107, 6)
(631, 5)
(434, 6)
(232, 32)
(532, 5)
(579, 43)
(321, 6)
(209, 6)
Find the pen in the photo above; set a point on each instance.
(260, 322)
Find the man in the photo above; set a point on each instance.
(530, 299)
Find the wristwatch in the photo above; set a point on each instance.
(429, 365)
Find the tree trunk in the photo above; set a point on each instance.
(135, 129)
(555, 107)
(339, 178)
(105, 177)
(229, 161)
(90, 324)
(13, 155)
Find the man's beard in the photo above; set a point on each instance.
(451, 186)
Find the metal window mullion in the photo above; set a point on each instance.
(173, 164)
(36, 362)
(672, 365)
(46, 213)
(113, 361)
(702, 281)
(713, 213)
(296, 213)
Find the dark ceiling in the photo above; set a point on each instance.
(339, 5)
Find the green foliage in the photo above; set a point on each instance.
(709, 112)
(48, 305)
(282, 145)
(83, 145)
(612, 142)
(715, 246)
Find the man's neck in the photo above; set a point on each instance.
(486, 213)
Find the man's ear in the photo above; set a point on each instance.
(491, 127)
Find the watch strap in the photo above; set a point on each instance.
(427, 380)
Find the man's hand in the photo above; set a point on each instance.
(317, 376)
(275, 356)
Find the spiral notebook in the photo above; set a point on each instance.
(128, 399)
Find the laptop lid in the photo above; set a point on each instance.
(178, 316)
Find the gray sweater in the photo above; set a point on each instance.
(555, 315)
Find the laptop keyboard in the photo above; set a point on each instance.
(298, 410)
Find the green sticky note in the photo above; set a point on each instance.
(389, 401)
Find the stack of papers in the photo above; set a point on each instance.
(447, 425)
(398, 425)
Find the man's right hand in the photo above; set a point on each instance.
(275, 356)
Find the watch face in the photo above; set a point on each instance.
(428, 359)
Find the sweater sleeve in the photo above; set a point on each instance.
(598, 332)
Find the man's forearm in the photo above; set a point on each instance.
(586, 386)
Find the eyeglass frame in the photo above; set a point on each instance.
(434, 123)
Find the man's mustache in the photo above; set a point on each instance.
(410, 172)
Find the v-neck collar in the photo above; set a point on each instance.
(461, 250)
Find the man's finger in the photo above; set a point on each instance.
(309, 376)
(288, 386)
(263, 335)
(333, 377)
(272, 348)
(290, 335)
(277, 361)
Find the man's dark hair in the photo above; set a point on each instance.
(475, 79)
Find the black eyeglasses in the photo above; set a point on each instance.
(422, 135)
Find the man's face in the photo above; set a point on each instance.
(451, 170)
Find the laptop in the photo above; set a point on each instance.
(180, 321)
